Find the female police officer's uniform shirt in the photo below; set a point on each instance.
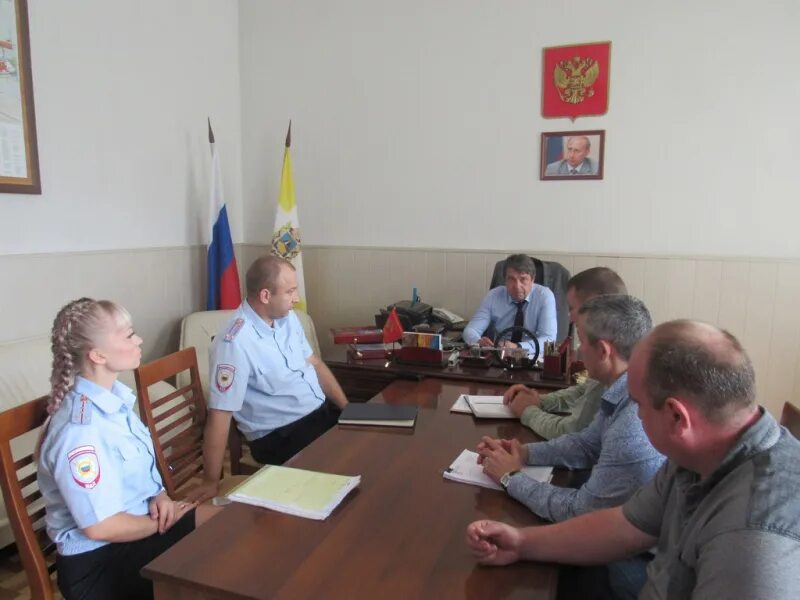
(96, 460)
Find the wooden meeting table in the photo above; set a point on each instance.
(400, 534)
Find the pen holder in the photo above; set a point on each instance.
(553, 367)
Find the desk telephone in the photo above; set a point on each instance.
(447, 317)
(414, 315)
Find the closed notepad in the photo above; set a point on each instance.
(387, 415)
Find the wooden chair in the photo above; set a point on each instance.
(790, 418)
(24, 500)
(175, 420)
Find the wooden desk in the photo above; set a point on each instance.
(363, 379)
(399, 535)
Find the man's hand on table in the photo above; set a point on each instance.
(501, 456)
(519, 397)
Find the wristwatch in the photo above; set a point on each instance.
(506, 478)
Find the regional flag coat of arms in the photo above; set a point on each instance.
(575, 80)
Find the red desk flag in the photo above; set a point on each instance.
(393, 329)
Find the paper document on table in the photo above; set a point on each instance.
(465, 469)
(489, 407)
(295, 491)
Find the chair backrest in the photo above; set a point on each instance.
(175, 420)
(790, 418)
(552, 275)
(23, 499)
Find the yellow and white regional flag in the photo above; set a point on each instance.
(286, 237)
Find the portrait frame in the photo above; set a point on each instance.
(19, 153)
(554, 165)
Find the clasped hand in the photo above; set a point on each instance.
(168, 512)
(501, 456)
(519, 397)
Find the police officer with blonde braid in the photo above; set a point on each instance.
(107, 510)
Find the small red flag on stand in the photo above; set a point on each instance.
(393, 329)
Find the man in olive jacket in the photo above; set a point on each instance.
(572, 409)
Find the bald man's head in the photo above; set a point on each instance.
(699, 362)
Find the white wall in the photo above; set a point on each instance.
(417, 124)
(122, 92)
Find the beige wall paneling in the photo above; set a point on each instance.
(680, 288)
(733, 295)
(757, 333)
(707, 279)
(455, 271)
(433, 288)
(479, 269)
(783, 371)
(632, 272)
(158, 285)
(655, 288)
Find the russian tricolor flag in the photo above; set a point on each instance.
(223, 278)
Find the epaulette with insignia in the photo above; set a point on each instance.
(82, 410)
(234, 330)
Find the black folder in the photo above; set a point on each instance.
(387, 415)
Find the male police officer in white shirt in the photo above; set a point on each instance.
(263, 374)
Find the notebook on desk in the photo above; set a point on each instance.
(465, 469)
(383, 415)
(295, 491)
(483, 407)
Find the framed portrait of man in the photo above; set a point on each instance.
(572, 155)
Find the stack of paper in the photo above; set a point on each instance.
(484, 407)
(465, 469)
(294, 491)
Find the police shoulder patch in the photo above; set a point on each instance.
(84, 466)
(234, 330)
(224, 377)
(82, 410)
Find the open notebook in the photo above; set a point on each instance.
(295, 491)
(465, 469)
(484, 407)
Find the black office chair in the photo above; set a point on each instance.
(552, 275)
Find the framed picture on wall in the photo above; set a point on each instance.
(572, 155)
(19, 157)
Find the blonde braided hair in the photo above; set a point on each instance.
(75, 331)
